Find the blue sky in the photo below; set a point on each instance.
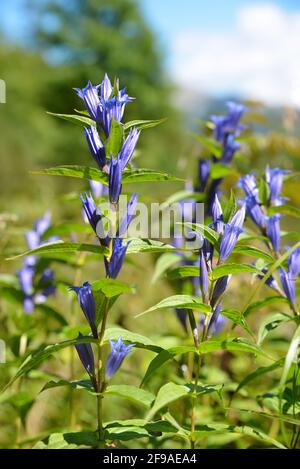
(247, 47)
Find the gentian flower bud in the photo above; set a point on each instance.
(128, 147)
(203, 172)
(220, 287)
(217, 215)
(249, 186)
(127, 218)
(95, 145)
(115, 179)
(203, 277)
(239, 217)
(87, 303)
(217, 321)
(273, 231)
(119, 350)
(274, 178)
(85, 353)
(294, 263)
(94, 217)
(230, 147)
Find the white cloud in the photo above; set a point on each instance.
(258, 58)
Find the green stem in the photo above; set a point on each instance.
(101, 375)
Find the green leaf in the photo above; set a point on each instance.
(230, 208)
(115, 139)
(132, 393)
(263, 303)
(235, 345)
(163, 263)
(208, 233)
(179, 301)
(183, 272)
(168, 393)
(259, 372)
(220, 170)
(62, 247)
(111, 287)
(237, 318)
(253, 252)
(66, 229)
(74, 119)
(214, 147)
(94, 174)
(264, 191)
(37, 357)
(113, 333)
(84, 384)
(144, 124)
(126, 433)
(227, 269)
(286, 210)
(7, 280)
(219, 428)
(148, 245)
(291, 357)
(270, 323)
(68, 440)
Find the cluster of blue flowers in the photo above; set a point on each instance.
(105, 104)
(269, 226)
(36, 290)
(226, 129)
(119, 349)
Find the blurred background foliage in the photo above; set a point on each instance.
(69, 43)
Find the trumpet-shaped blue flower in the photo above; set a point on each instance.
(255, 212)
(229, 124)
(114, 264)
(119, 350)
(128, 146)
(127, 218)
(273, 231)
(230, 147)
(274, 178)
(203, 174)
(294, 263)
(288, 285)
(95, 145)
(249, 186)
(90, 96)
(115, 179)
(87, 303)
(85, 353)
(94, 217)
(231, 233)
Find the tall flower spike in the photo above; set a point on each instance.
(95, 145)
(273, 231)
(115, 179)
(85, 353)
(119, 350)
(87, 303)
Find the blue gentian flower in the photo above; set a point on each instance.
(230, 147)
(274, 178)
(217, 215)
(42, 224)
(127, 218)
(98, 189)
(273, 231)
(219, 288)
(119, 350)
(94, 217)
(255, 212)
(203, 277)
(114, 264)
(217, 320)
(229, 124)
(25, 275)
(203, 174)
(231, 233)
(95, 145)
(288, 285)
(128, 146)
(85, 353)
(87, 303)
(294, 263)
(115, 179)
(90, 97)
(249, 186)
